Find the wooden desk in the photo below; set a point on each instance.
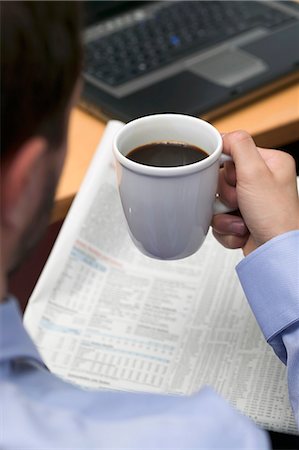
(273, 121)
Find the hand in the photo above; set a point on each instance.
(261, 183)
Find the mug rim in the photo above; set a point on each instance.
(167, 171)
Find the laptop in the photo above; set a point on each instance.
(202, 58)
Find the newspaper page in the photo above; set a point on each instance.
(106, 317)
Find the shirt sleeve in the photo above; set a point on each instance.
(270, 279)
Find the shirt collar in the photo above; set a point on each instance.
(15, 343)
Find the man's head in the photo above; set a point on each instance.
(40, 66)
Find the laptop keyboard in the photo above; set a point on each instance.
(173, 31)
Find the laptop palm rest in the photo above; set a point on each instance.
(229, 67)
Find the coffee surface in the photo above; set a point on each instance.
(167, 154)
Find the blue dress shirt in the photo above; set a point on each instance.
(40, 411)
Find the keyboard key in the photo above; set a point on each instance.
(175, 30)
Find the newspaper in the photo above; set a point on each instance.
(106, 317)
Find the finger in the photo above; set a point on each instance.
(229, 170)
(227, 192)
(226, 224)
(230, 241)
(247, 158)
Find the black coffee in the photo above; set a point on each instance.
(167, 154)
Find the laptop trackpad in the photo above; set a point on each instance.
(229, 67)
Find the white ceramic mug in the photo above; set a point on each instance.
(169, 209)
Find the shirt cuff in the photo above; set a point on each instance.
(270, 279)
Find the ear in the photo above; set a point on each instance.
(20, 181)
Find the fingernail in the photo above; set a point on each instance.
(238, 227)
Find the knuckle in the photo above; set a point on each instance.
(240, 136)
(290, 161)
(287, 161)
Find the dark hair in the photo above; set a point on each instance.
(40, 64)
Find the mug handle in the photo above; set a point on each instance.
(219, 207)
